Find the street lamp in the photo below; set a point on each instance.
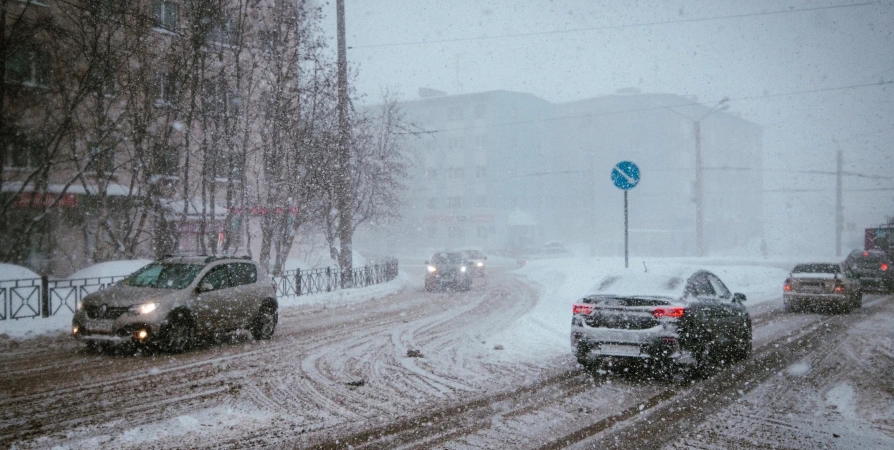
(722, 105)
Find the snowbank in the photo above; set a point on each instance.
(14, 272)
(110, 269)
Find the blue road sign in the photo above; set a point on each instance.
(625, 175)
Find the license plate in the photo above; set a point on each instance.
(99, 326)
(619, 350)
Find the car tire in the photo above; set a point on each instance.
(743, 347)
(706, 359)
(178, 334)
(264, 324)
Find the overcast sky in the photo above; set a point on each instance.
(755, 52)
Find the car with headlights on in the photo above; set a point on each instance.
(477, 261)
(171, 302)
(822, 286)
(684, 320)
(448, 271)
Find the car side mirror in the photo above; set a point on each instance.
(426, 263)
(737, 297)
(206, 287)
(485, 258)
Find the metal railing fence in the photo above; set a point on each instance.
(42, 297)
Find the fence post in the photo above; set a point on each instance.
(44, 296)
(298, 283)
(328, 279)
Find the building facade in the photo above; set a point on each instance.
(508, 171)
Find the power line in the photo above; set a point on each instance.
(651, 108)
(612, 27)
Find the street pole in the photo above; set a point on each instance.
(626, 234)
(699, 196)
(344, 202)
(839, 208)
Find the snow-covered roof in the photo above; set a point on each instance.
(111, 189)
(624, 284)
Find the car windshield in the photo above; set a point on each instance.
(474, 254)
(447, 258)
(817, 268)
(164, 276)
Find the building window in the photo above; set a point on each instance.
(456, 173)
(166, 163)
(432, 203)
(454, 202)
(100, 158)
(456, 232)
(165, 89)
(22, 153)
(28, 67)
(102, 9)
(165, 14)
(480, 141)
(480, 171)
(220, 101)
(481, 201)
(482, 232)
(224, 33)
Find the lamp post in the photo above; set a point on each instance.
(723, 104)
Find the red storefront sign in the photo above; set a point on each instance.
(45, 200)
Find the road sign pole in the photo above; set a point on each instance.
(625, 176)
(626, 234)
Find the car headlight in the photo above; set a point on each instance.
(145, 308)
(462, 269)
(432, 269)
(480, 264)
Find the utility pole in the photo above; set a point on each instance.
(839, 208)
(344, 202)
(699, 193)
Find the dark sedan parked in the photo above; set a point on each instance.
(668, 321)
(873, 268)
(823, 286)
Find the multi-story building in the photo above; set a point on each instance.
(507, 170)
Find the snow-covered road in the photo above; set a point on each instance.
(489, 369)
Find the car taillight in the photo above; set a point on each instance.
(839, 287)
(581, 309)
(672, 312)
(787, 286)
(884, 266)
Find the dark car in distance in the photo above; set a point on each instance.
(448, 271)
(683, 320)
(873, 268)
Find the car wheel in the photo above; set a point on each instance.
(178, 334)
(265, 323)
(743, 347)
(706, 359)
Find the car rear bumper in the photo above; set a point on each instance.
(660, 342)
(816, 299)
(877, 284)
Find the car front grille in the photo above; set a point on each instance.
(105, 312)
